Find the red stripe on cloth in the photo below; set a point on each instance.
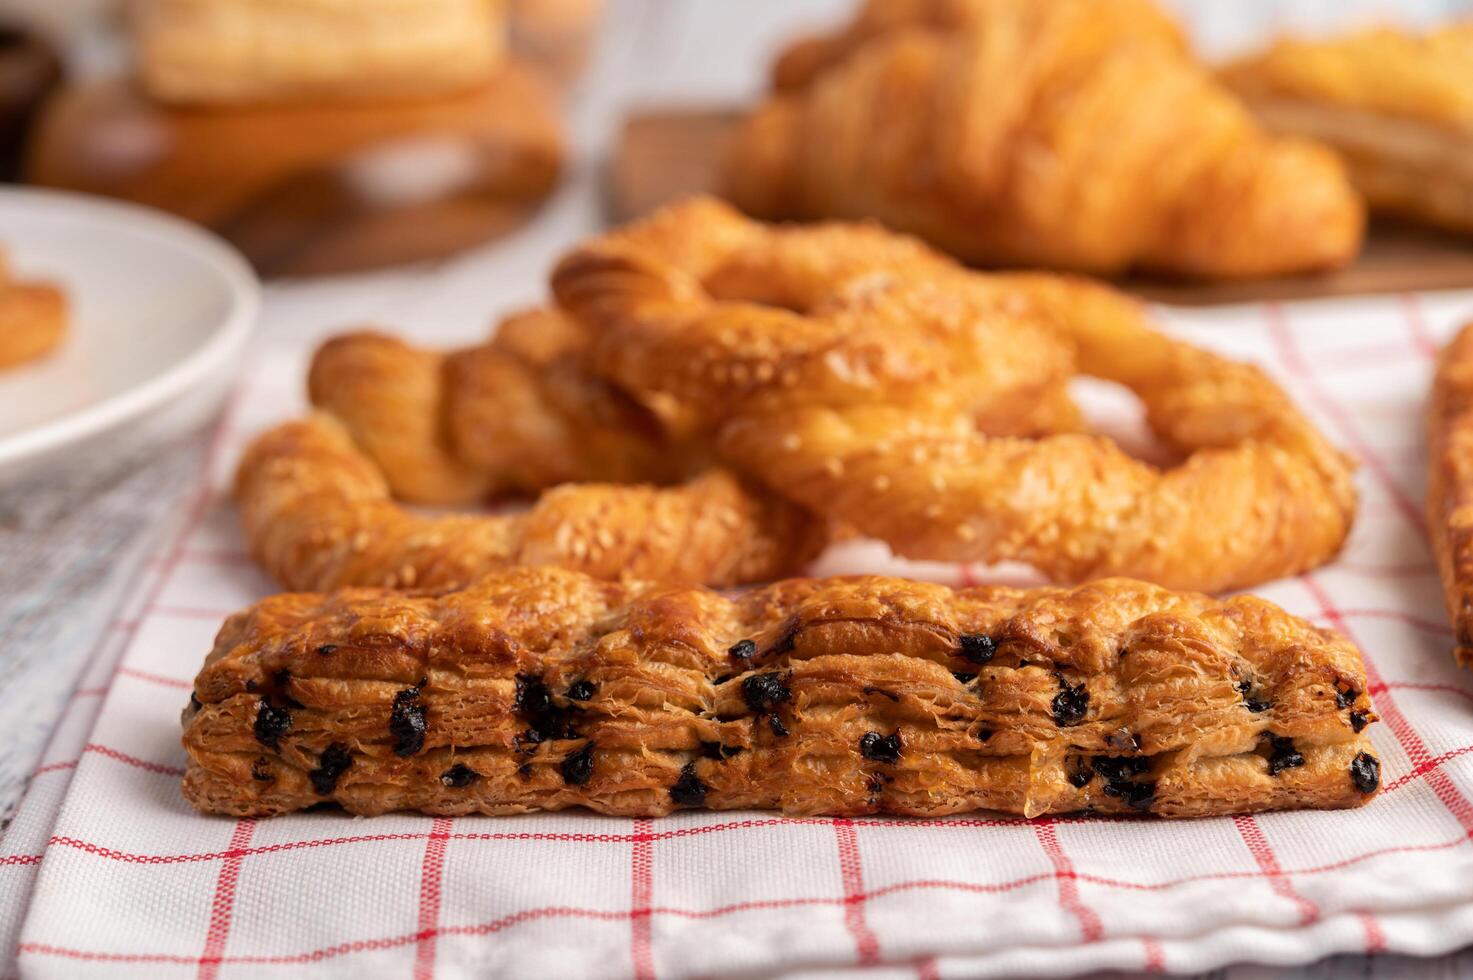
(1268, 862)
(10, 859)
(1396, 615)
(641, 896)
(55, 767)
(1089, 923)
(1289, 353)
(1375, 937)
(851, 874)
(1411, 311)
(160, 679)
(132, 760)
(1411, 743)
(1424, 768)
(926, 969)
(222, 909)
(431, 877)
(1155, 955)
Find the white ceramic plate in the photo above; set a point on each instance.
(160, 310)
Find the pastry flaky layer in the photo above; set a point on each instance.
(541, 689)
(1450, 485)
(1397, 105)
(240, 51)
(1069, 134)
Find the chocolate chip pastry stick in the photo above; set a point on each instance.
(540, 689)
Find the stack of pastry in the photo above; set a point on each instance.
(317, 134)
(842, 378)
(1398, 106)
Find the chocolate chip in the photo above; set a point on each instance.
(763, 692)
(271, 723)
(1344, 698)
(1253, 704)
(983, 734)
(1071, 704)
(194, 702)
(327, 649)
(333, 762)
(261, 770)
(1137, 796)
(407, 722)
(582, 690)
(881, 748)
(459, 776)
(1365, 772)
(883, 693)
(1079, 772)
(525, 770)
(1282, 755)
(978, 648)
(533, 696)
(1117, 770)
(742, 650)
(251, 686)
(962, 678)
(688, 789)
(715, 750)
(578, 767)
(547, 720)
(1358, 721)
(778, 728)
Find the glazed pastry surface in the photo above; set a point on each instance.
(1066, 134)
(1450, 485)
(850, 396)
(541, 689)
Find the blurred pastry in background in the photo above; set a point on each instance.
(557, 35)
(29, 71)
(1397, 105)
(1067, 134)
(33, 318)
(319, 135)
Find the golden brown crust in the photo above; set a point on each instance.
(851, 397)
(228, 52)
(318, 514)
(33, 319)
(1397, 106)
(545, 689)
(1149, 161)
(1450, 485)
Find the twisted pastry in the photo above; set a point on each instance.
(318, 514)
(1071, 134)
(1450, 485)
(849, 402)
(540, 689)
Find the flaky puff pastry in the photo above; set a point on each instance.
(849, 395)
(33, 318)
(541, 689)
(318, 514)
(1450, 485)
(1397, 105)
(242, 51)
(1068, 134)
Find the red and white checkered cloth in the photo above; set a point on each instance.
(106, 869)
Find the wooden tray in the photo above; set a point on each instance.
(662, 155)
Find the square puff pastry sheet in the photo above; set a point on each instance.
(234, 51)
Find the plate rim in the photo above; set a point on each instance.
(227, 336)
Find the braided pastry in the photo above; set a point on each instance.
(33, 318)
(849, 399)
(540, 689)
(318, 514)
(1450, 485)
(1072, 134)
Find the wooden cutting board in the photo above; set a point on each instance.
(662, 155)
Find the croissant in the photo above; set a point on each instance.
(1069, 134)
(1397, 106)
(540, 689)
